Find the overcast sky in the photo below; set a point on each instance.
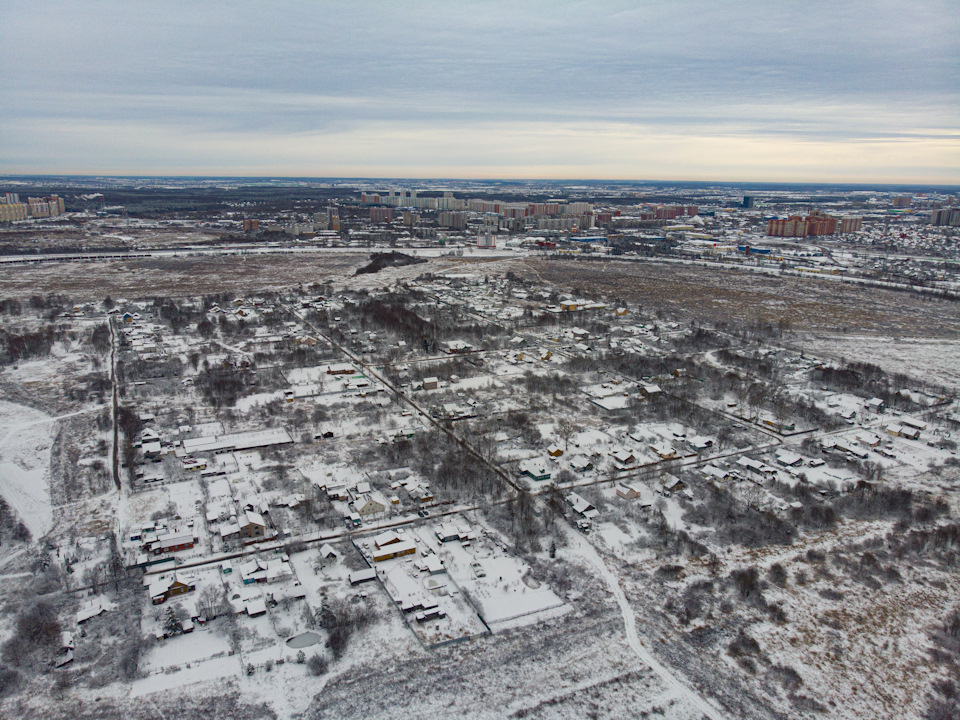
(713, 90)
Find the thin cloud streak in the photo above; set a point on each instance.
(509, 151)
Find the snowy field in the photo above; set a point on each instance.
(934, 359)
(26, 436)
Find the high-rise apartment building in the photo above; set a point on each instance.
(50, 206)
(793, 226)
(946, 216)
(820, 224)
(851, 224)
(13, 211)
(578, 208)
(452, 220)
(816, 223)
(668, 212)
(381, 215)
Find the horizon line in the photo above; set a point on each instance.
(438, 178)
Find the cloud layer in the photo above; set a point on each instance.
(808, 90)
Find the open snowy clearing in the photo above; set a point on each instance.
(26, 436)
(933, 359)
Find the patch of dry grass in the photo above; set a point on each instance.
(742, 297)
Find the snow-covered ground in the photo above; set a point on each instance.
(26, 436)
(934, 359)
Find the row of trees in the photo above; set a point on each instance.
(12, 528)
(29, 344)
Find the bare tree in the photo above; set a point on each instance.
(212, 601)
(566, 429)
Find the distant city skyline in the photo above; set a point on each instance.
(853, 92)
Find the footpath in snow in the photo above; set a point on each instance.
(26, 437)
(669, 677)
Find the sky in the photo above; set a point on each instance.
(790, 91)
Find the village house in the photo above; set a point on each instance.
(253, 571)
(164, 587)
(455, 347)
(447, 532)
(715, 473)
(629, 491)
(756, 468)
(904, 431)
(252, 525)
(365, 506)
(393, 550)
(788, 459)
(581, 506)
(420, 493)
(535, 468)
(850, 446)
(340, 369)
(390, 537)
(581, 463)
(624, 458)
(168, 541)
(868, 439)
(192, 464)
(671, 483)
(699, 443)
(663, 451)
(875, 405)
(92, 608)
(913, 422)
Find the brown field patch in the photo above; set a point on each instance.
(743, 297)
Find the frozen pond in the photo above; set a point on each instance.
(303, 640)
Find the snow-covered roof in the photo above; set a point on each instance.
(582, 506)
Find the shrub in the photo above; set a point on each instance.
(9, 680)
(743, 646)
(38, 624)
(747, 582)
(777, 575)
(317, 665)
(788, 677)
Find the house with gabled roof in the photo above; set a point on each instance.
(581, 506)
(389, 537)
(535, 468)
(252, 525)
(629, 491)
(366, 506)
(625, 458)
(166, 586)
(581, 463)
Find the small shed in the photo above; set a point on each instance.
(362, 576)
